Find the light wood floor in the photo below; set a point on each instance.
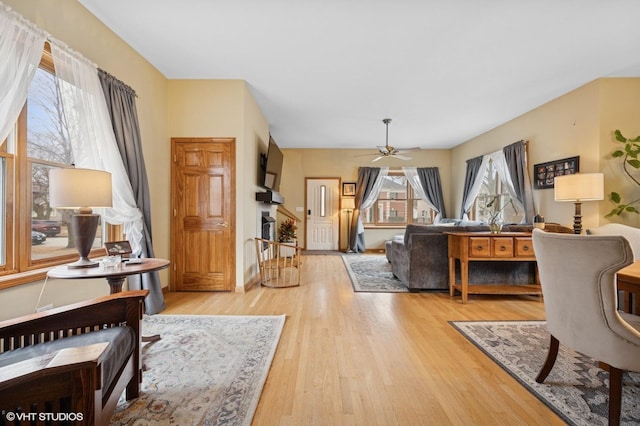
(348, 358)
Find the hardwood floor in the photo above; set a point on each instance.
(348, 358)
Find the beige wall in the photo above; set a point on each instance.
(579, 123)
(343, 163)
(71, 23)
(619, 109)
(226, 108)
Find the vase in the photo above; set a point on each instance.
(495, 227)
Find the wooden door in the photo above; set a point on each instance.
(203, 220)
(322, 214)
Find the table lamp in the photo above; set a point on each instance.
(81, 189)
(348, 204)
(577, 188)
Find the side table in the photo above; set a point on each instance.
(114, 275)
(485, 246)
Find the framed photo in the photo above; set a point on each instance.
(115, 248)
(545, 173)
(348, 189)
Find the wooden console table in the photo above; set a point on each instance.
(485, 246)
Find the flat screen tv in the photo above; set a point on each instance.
(273, 169)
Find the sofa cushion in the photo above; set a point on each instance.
(121, 343)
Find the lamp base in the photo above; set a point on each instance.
(84, 228)
(577, 219)
(83, 262)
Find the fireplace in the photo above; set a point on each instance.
(268, 227)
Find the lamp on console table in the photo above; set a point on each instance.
(577, 188)
(348, 204)
(81, 189)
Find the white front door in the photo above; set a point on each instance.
(323, 210)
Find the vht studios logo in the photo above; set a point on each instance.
(44, 417)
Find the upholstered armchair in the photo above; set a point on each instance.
(577, 274)
(629, 232)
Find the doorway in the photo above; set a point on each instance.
(323, 213)
(203, 214)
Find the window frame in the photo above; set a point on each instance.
(19, 268)
(409, 200)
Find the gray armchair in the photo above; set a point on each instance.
(577, 274)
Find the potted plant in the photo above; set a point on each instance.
(287, 231)
(629, 154)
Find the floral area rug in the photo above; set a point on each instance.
(576, 389)
(372, 273)
(205, 370)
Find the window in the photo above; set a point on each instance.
(397, 205)
(32, 234)
(492, 189)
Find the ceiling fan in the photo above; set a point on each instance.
(388, 150)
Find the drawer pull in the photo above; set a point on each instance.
(525, 248)
(503, 248)
(479, 248)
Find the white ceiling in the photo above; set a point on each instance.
(326, 72)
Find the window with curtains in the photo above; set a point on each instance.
(493, 189)
(33, 235)
(397, 205)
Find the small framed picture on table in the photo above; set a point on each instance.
(118, 248)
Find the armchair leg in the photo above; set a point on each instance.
(615, 395)
(554, 344)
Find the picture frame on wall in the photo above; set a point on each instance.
(545, 173)
(348, 189)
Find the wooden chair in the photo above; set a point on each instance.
(279, 263)
(80, 380)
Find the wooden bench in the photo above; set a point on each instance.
(74, 380)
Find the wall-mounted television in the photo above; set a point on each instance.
(273, 168)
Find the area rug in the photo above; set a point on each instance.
(205, 370)
(372, 273)
(576, 389)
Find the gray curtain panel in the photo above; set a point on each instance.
(516, 157)
(473, 166)
(366, 179)
(430, 181)
(124, 119)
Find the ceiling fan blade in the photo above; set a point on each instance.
(378, 158)
(402, 157)
(366, 155)
(405, 150)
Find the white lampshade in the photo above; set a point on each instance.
(79, 188)
(579, 187)
(348, 204)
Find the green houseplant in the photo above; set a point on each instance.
(629, 154)
(287, 231)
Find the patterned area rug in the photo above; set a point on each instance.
(205, 370)
(576, 389)
(372, 273)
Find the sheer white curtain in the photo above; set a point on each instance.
(92, 140)
(414, 180)
(21, 46)
(375, 190)
(372, 197)
(500, 163)
(475, 188)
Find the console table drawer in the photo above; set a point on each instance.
(479, 247)
(524, 247)
(491, 247)
(502, 246)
